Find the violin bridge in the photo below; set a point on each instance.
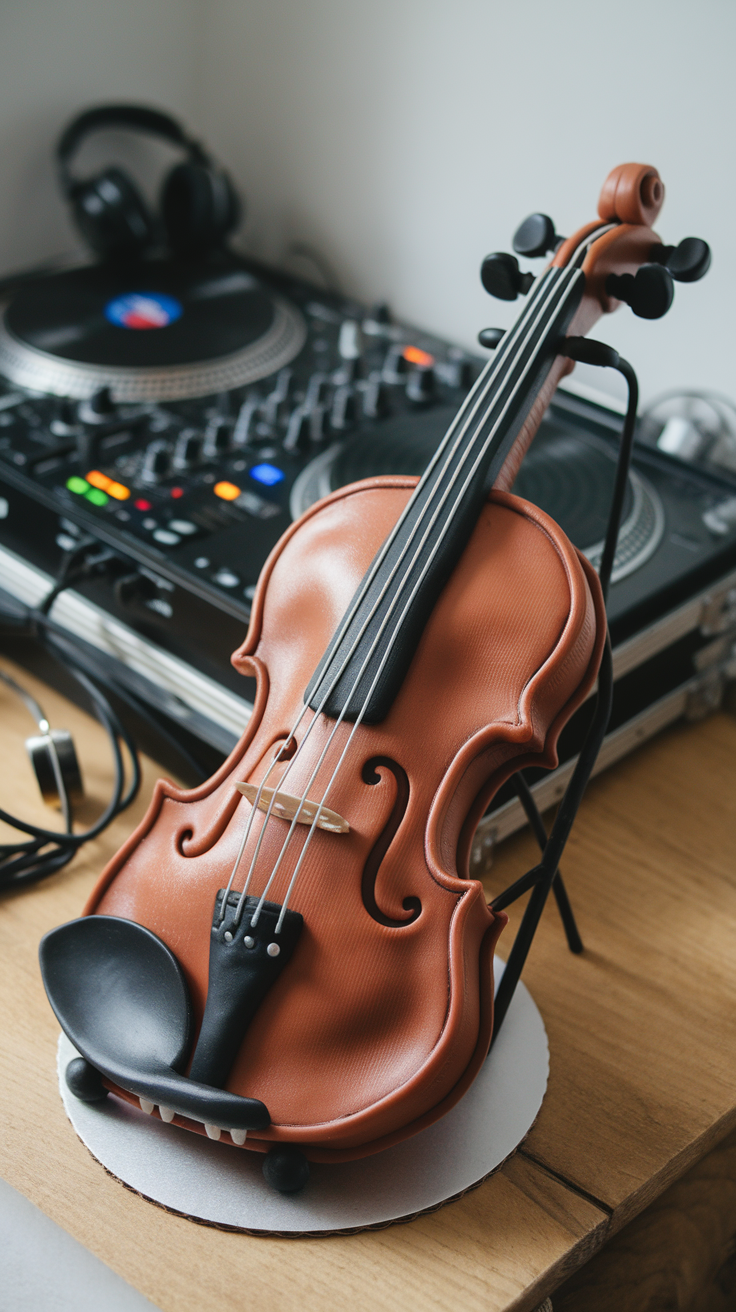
(287, 807)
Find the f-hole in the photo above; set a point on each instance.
(383, 842)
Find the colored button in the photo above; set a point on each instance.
(267, 474)
(183, 526)
(177, 492)
(166, 538)
(226, 578)
(118, 490)
(78, 485)
(416, 356)
(226, 491)
(96, 478)
(96, 497)
(142, 504)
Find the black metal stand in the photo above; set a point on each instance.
(545, 876)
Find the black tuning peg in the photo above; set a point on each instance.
(490, 337)
(536, 236)
(502, 277)
(687, 262)
(649, 293)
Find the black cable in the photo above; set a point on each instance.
(48, 850)
(60, 637)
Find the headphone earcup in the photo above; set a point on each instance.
(112, 215)
(200, 208)
(41, 751)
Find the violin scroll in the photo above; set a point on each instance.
(632, 193)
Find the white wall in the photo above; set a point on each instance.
(60, 56)
(405, 138)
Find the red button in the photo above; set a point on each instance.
(140, 504)
(177, 492)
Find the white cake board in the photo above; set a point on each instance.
(223, 1186)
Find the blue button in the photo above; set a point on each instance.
(268, 474)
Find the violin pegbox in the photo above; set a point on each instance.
(628, 262)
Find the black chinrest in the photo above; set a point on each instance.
(120, 996)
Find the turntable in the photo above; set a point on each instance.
(159, 332)
(181, 413)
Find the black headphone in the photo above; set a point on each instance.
(199, 205)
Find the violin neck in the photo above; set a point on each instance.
(365, 664)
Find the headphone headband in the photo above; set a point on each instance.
(138, 118)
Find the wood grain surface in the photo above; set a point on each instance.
(643, 1065)
(679, 1255)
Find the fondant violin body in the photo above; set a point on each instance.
(315, 947)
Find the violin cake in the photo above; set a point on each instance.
(291, 958)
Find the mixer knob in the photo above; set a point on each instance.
(420, 386)
(187, 449)
(318, 424)
(343, 411)
(216, 438)
(455, 372)
(64, 423)
(155, 462)
(246, 421)
(350, 341)
(276, 399)
(298, 432)
(375, 397)
(395, 364)
(98, 408)
(316, 390)
(350, 348)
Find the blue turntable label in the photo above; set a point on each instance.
(143, 310)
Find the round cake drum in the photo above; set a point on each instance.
(156, 331)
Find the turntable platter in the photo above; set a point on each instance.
(155, 331)
(568, 474)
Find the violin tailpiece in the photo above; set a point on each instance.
(245, 961)
(120, 996)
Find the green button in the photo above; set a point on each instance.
(78, 485)
(97, 497)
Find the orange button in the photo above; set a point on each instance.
(118, 490)
(227, 491)
(98, 479)
(413, 355)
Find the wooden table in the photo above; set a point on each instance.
(643, 1063)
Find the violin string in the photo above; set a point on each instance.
(448, 489)
(461, 423)
(377, 676)
(318, 813)
(467, 414)
(358, 720)
(569, 271)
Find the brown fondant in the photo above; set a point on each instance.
(383, 1016)
(631, 198)
(632, 193)
(372, 1031)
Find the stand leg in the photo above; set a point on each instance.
(524, 793)
(541, 878)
